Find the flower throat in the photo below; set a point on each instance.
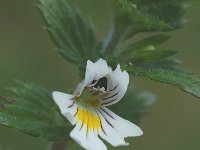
(92, 94)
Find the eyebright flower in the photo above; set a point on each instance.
(87, 108)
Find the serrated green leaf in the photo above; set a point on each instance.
(126, 14)
(145, 56)
(164, 71)
(152, 40)
(134, 104)
(33, 112)
(145, 22)
(128, 21)
(135, 16)
(73, 34)
(144, 51)
(167, 74)
(171, 11)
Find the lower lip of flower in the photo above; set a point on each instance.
(89, 119)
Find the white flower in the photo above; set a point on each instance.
(86, 108)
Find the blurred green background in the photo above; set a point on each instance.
(27, 53)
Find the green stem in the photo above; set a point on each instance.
(112, 41)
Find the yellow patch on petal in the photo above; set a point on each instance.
(88, 118)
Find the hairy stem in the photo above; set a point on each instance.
(112, 41)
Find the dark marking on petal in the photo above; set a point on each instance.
(83, 119)
(109, 101)
(93, 81)
(101, 123)
(76, 112)
(107, 113)
(106, 119)
(102, 82)
(102, 128)
(87, 124)
(110, 96)
(71, 105)
(92, 121)
(114, 88)
(73, 98)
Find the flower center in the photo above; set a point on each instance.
(89, 97)
(92, 93)
(101, 83)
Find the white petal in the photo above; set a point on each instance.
(120, 81)
(66, 105)
(94, 143)
(110, 134)
(124, 127)
(86, 138)
(95, 71)
(79, 88)
(79, 135)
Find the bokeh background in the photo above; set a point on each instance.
(27, 53)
